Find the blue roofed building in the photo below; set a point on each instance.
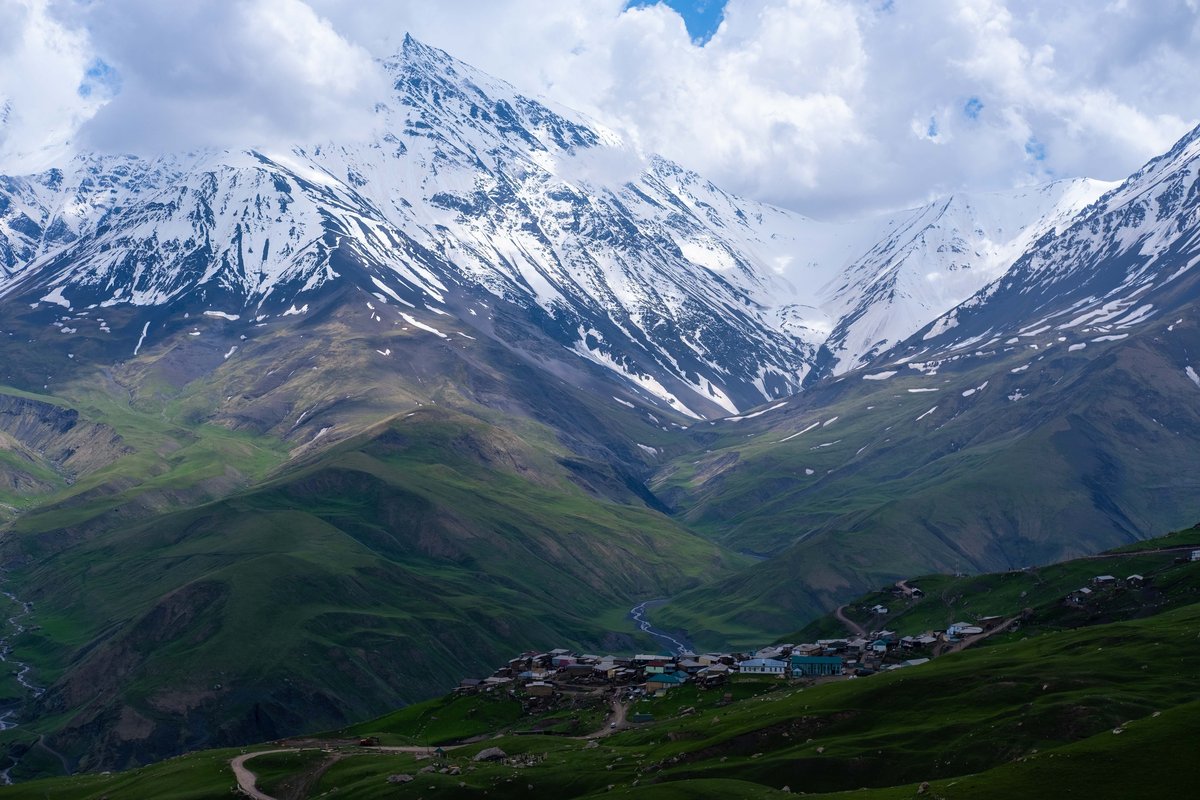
(816, 666)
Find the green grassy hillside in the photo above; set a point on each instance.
(1066, 456)
(379, 574)
(1105, 710)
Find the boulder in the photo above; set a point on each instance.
(490, 754)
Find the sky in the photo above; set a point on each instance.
(834, 108)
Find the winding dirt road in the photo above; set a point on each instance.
(247, 781)
(850, 624)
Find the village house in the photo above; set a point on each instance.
(1104, 580)
(1079, 596)
(762, 666)
(713, 675)
(815, 666)
(661, 684)
(539, 689)
(928, 639)
(578, 671)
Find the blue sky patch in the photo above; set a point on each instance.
(99, 79)
(932, 130)
(973, 108)
(1035, 150)
(702, 17)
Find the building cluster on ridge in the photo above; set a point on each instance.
(545, 674)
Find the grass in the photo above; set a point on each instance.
(1029, 717)
(948, 599)
(378, 574)
(983, 484)
(199, 776)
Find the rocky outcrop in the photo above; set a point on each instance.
(55, 437)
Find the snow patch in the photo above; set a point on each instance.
(222, 315)
(1115, 337)
(1191, 373)
(141, 338)
(880, 376)
(926, 414)
(293, 311)
(57, 298)
(1076, 347)
(232, 350)
(800, 433)
(422, 325)
(383, 287)
(755, 414)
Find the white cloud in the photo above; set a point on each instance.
(42, 66)
(238, 73)
(827, 106)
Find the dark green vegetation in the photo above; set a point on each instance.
(344, 514)
(1165, 584)
(304, 536)
(1096, 708)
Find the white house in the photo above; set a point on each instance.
(762, 666)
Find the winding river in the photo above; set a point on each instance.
(638, 613)
(19, 669)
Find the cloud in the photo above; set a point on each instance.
(42, 66)
(831, 107)
(238, 73)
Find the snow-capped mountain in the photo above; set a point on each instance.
(1125, 261)
(466, 190)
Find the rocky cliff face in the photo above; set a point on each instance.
(48, 435)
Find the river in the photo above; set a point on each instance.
(18, 669)
(639, 612)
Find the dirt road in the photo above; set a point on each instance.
(247, 781)
(617, 719)
(850, 624)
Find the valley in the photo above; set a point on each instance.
(294, 437)
(1070, 699)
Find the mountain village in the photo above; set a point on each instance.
(565, 672)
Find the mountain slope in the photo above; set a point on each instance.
(708, 302)
(974, 446)
(370, 576)
(1069, 703)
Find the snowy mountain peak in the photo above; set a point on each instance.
(1123, 260)
(704, 301)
